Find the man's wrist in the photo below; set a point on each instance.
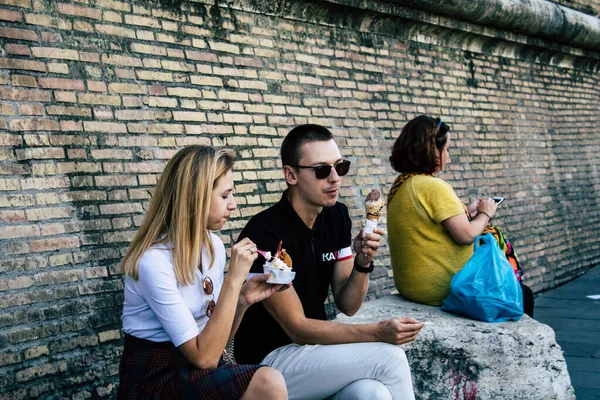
(242, 304)
(360, 268)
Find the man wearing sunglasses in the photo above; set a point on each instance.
(289, 331)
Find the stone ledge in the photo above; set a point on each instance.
(404, 20)
(455, 357)
(541, 18)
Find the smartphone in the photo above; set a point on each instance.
(498, 200)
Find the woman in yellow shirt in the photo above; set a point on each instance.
(430, 235)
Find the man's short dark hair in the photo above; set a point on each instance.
(417, 147)
(291, 148)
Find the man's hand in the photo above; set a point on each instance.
(399, 330)
(256, 289)
(366, 248)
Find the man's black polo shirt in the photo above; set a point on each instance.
(313, 252)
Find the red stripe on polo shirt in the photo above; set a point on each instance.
(344, 253)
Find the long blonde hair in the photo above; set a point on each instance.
(178, 211)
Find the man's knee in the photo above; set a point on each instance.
(364, 389)
(380, 392)
(395, 354)
(267, 383)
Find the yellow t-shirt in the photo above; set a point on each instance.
(424, 255)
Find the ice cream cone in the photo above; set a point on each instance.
(374, 204)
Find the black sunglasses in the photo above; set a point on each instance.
(323, 171)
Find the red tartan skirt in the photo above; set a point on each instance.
(159, 371)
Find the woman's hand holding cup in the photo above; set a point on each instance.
(243, 255)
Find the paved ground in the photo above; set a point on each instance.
(576, 321)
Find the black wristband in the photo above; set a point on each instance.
(486, 214)
(363, 270)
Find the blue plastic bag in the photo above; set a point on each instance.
(486, 288)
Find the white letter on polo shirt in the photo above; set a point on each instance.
(328, 256)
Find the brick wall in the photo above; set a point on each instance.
(95, 96)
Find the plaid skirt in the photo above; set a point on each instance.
(159, 371)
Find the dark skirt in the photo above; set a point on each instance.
(159, 371)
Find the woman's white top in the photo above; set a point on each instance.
(157, 308)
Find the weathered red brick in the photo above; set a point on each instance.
(40, 153)
(28, 65)
(127, 88)
(44, 183)
(67, 97)
(112, 16)
(125, 73)
(142, 115)
(17, 49)
(62, 140)
(108, 127)
(84, 26)
(76, 153)
(11, 16)
(45, 20)
(88, 98)
(25, 95)
(35, 140)
(30, 109)
(10, 140)
(12, 216)
(248, 62)
(157, 90)
(37, 214)
(54, 52)
(79, 11)
(155, 76)
(51, 37)
(16, 33)
(14, 232)
(17, 3)
(24, 80)
(103, 154)
(175, 53)
(60, 83)
(103, 113)
(54, 244)
(132, 101)
(116, 180)
(116, 31)
(53, 277)
(96, 86)
(71, 126)
(148, 49)
(126, 61)
(7, 109)
(116, 5)
(201, 56)
(142, 21)
(62, 110)
(33, 125)
(184, 92)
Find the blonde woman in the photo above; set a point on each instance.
(179, 309)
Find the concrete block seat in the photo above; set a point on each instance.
(459, 358)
